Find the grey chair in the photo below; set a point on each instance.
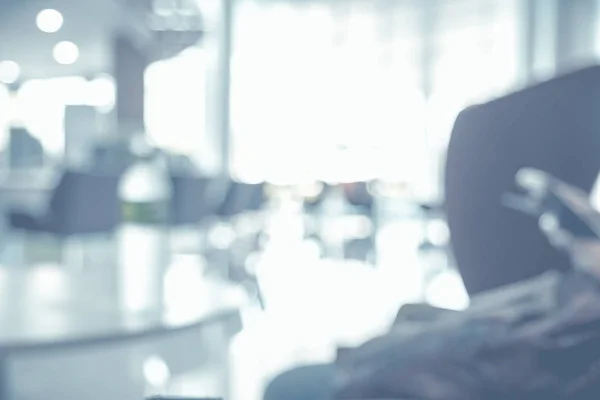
(111, 158)
(241, 197)
(357, 194)
(81, 204)
(257, 197)
(553, 126)
(190, 202)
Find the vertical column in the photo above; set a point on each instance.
(575, 33)
(537, 35)
(557, 36)
(527, 26)
(129, 65)
(432, 188)
(428, 45)
(544, 38)
(218, 15)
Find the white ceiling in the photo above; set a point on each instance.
(91, 24)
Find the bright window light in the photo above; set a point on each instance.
(101, 92)
(9, 72)
(174, 102)
(49, 20)
(354, 81)
(66, 52)
(41, 111)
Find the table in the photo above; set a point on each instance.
(64, 336)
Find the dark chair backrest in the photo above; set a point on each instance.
(314, 203)
(85, 203)
(357, 194)
(189, 199)
(257, 196)
(240, 197)
(111, 158)
(553, 126)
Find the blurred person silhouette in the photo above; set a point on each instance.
(551, 126)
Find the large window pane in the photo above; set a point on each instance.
(333, 90)
(475, 59)
(322, 102)
(175, 102)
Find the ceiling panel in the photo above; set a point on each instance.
(89, 23)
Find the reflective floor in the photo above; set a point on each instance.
(314, 299)
(315, 304)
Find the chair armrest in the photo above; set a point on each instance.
(25, 221)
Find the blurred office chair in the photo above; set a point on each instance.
(112, 157)
(189, 203)
(258, 197)
(81, 204)
(360, 244)
(180, 164)
(194, 202)
(357, 194)
(312, 204)
(241, 197)
(238, 219)
(553, 126)
(241, 210)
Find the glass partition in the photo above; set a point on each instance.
(334, 90)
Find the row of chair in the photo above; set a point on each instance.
(357, 194)
(86, 203)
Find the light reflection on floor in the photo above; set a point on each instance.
(314, 304)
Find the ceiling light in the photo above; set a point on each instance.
(9, 72)
(49, 20)
(66, 53)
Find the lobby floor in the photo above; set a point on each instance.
(313, 303)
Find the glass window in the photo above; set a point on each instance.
(343, 99)
(334, 95)
(39, 105)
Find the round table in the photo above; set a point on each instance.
(63, 335)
